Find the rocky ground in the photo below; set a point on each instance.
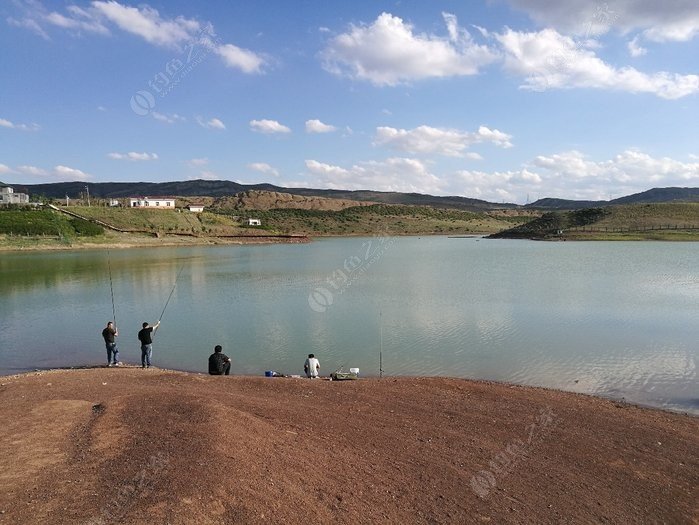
(125, 445)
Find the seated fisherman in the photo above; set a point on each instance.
(311, 366)
(219, 363)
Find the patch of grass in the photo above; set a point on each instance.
(26, 222)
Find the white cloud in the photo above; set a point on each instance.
(63, 173)
(550, 60)
(494, 186)
(393, 174)
(208, 175)
(572, 175)
(82, 21)
(388, 52)
(167, 118)
(268, 126)
(264, 168)
(22, 127)
(198, 162)
(32, 170)
(244, 59)
(31, 24)
(428, 140)
(659, 21)
(133, 155)
(635, 49)
(213, 123)
(69, 174)
(144, 22)
(316, 126)
(5, 169)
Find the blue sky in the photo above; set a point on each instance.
(503, 100)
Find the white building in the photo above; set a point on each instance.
(114, 202)
(254, 222)
(152, 202)
(196, 208)
(8, 196)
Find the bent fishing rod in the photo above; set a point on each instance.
(171, 292)
(111, 288)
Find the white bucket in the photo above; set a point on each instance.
(354, 371)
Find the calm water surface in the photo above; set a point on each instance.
(612, 319)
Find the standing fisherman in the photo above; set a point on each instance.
(145, 335)
(110, 333)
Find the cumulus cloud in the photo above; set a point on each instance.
(572, 175)
(144, 22)
(495, 186)
(32, 170)
(393, 174)
(316, 126)
(213, 123)
(69, 174)
(264, 168)
(4, 123)
(244, 59)
(389, 52)
(429, 140)
(133, 155)
(5, 169)
(659, 22)
(61, 173)
(268, 127)
(550, 60)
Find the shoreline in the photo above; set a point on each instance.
(129, 445)
(678, 409)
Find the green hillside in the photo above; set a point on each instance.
(663, 221)
(163, 221)
(17, 221)
(369, 220)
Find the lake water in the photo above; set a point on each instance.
(605, 318)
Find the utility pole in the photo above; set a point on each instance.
(67, 200)
(88, 195)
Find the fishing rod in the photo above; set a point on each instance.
(111, 288)
(380, 345)
(171, 292)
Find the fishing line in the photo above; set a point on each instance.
(171, 292)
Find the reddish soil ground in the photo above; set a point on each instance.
(153, 446)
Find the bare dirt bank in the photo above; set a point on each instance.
(153, 446)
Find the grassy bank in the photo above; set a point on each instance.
(663, 222)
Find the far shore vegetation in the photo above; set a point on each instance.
(100, 225)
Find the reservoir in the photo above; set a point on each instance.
(617, 319)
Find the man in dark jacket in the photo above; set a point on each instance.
(145, 335)
(110, 333)
(219, 363)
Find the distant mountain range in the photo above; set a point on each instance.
(221, 188)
